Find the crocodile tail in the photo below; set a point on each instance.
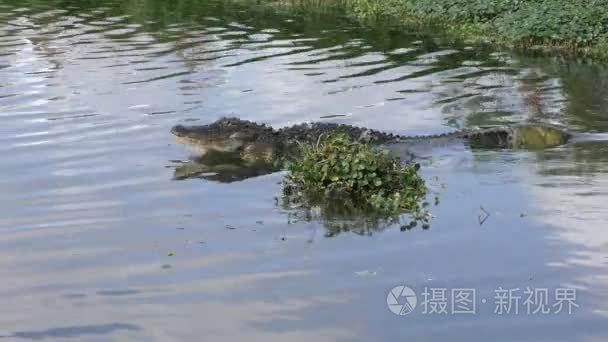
(447, 135)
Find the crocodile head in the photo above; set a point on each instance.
(224, 135)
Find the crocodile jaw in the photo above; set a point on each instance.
(202, 143)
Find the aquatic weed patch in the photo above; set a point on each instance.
(578, 23)
(463, 10)
(555, 25)
(358, 175)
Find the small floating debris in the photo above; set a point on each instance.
(161, 112)
(170, 254)
(482, 216)
(230, 227)
(366, 273)
(331, 116)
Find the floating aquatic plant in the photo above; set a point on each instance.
(362, 175)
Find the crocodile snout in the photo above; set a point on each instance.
(179, 131)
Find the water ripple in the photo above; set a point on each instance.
(89, 212)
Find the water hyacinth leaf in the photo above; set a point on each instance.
(363, 174)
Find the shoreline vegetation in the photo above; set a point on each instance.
(574, 28)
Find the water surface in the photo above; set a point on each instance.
(91, 209)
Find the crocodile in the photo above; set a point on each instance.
(233, 134)
(265, 147)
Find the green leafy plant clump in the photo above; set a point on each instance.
(578, 23)
(561, 25)
(368, 175)
(475, 11)
(556, 24)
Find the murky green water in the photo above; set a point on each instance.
(90, 209)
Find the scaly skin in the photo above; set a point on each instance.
(259, 141)
(231, 149)
(256, 141)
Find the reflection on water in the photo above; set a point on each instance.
(71, 332)
(336, 214)
(225, 167)
(91, 207)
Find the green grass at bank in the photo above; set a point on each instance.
(572, 27)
